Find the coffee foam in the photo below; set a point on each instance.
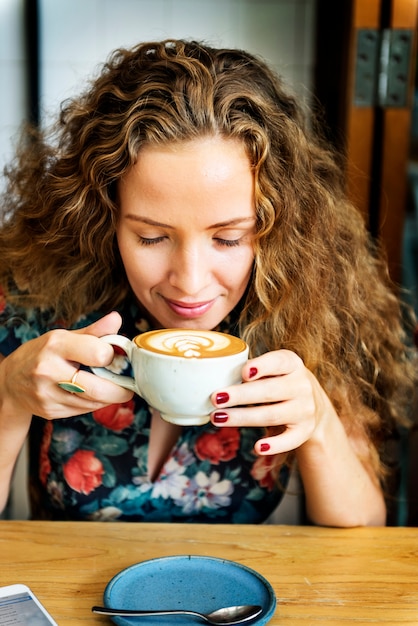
(192, 344)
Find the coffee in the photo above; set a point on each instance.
(192, 344)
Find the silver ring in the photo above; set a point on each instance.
(71, 385)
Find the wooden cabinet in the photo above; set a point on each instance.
(364, 79)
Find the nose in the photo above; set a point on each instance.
(190, 270)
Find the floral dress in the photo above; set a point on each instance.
(94, 466)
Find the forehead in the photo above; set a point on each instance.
(208, 154)
(204, 172)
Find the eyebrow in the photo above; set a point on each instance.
(151, 222)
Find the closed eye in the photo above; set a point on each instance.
(150, 241)
(229, 243)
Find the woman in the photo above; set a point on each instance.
(184, 189)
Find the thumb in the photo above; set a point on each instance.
(107, 325)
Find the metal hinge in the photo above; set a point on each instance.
(383, 66)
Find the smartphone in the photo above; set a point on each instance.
(20, 607)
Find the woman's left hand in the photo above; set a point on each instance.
(278, 392)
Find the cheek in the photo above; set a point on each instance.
(123, 245)
(138, 263)
(239, 270)
(135, 268)
(129, 255)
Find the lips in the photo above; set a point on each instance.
(189, 310)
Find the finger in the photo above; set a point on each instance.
(52, 402)
(68, 405)
(290, 439)
(287, 417)
(281, 414)
(85, 343)
(107, 325)
(276, 363)
(101, 390)
(76, 348)
(270, 390)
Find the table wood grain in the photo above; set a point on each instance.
(320, 575)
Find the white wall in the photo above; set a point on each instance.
(12, 65)
(77, 35)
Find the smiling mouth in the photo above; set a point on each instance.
(189, 310)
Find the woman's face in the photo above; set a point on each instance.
(186, 229)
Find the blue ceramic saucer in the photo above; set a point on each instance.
(198, 583)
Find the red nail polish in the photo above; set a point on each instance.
(253, 372)
(222, 397)
(220, 417)
(265, 447)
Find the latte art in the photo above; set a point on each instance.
(191, 344)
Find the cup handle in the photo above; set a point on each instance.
(123, 381)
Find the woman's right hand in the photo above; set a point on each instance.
(29, 379)
(29, 376)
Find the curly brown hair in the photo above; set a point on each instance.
(320, 285)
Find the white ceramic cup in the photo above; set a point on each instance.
(177, 370)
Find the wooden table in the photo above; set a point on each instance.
(320, 576)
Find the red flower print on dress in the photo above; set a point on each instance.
(44, 462)
(265, 471)
(221, 445)
(115, 416)
(83, 472)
